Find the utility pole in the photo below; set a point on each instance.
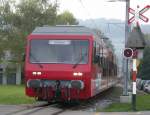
(127, 30)
(2, 2)
(137, 14)
(125, 61)
(56, 2)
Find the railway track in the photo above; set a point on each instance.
(61, 108)
(31, 109)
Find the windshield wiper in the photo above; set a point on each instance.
(35, 59)
(76, 64)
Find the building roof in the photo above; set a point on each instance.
(136, 39)
(65, 30)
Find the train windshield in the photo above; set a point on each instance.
(59, 51)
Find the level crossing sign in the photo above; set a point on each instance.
(138, 14)
(128, 53)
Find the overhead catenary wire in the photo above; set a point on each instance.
(93, 21)
(115, 24)
(89, 14)
(2, 2)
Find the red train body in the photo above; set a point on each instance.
(67, 63)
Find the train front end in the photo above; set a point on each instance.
(57, 66)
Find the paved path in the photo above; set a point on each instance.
(50, 110)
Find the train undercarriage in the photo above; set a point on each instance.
(56, 90)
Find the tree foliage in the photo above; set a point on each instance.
(18, 20)
(66, 18)
(144, 68)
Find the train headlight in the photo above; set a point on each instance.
(80, 73)
(34, 73)
(77, 74)
(39, 73)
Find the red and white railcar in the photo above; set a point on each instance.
(67, 63)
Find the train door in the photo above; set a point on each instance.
(96, 70)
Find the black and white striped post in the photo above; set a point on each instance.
(134, 74)
(129, 53)
(137, 14)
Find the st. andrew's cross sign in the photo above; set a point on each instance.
(138, 14)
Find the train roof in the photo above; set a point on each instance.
(63, 30)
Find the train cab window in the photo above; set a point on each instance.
(59, 51)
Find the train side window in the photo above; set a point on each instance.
(104, 63)
(1, 69)
(96, 53)
(107, 69)
(94, 50)
(116, 70)
(110, 68)
(100, 61)
(97, 49)
(101, 50)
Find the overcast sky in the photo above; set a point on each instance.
(91, 9)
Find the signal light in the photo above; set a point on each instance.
(128, 53)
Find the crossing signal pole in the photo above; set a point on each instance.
(137, 14)
(125, 64)
(127, 30)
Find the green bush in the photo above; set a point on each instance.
(144, 68)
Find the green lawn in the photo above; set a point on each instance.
(11, 94)
(143, 103)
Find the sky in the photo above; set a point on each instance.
(91, 9)
(94, 9)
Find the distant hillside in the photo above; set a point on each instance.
(114, 29)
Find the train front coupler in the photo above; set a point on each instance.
(56, 89)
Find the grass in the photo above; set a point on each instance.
(143, 104)
(14, 95)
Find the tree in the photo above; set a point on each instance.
(144, 68)
(18, 20)
(66, 18)
(147, 39)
